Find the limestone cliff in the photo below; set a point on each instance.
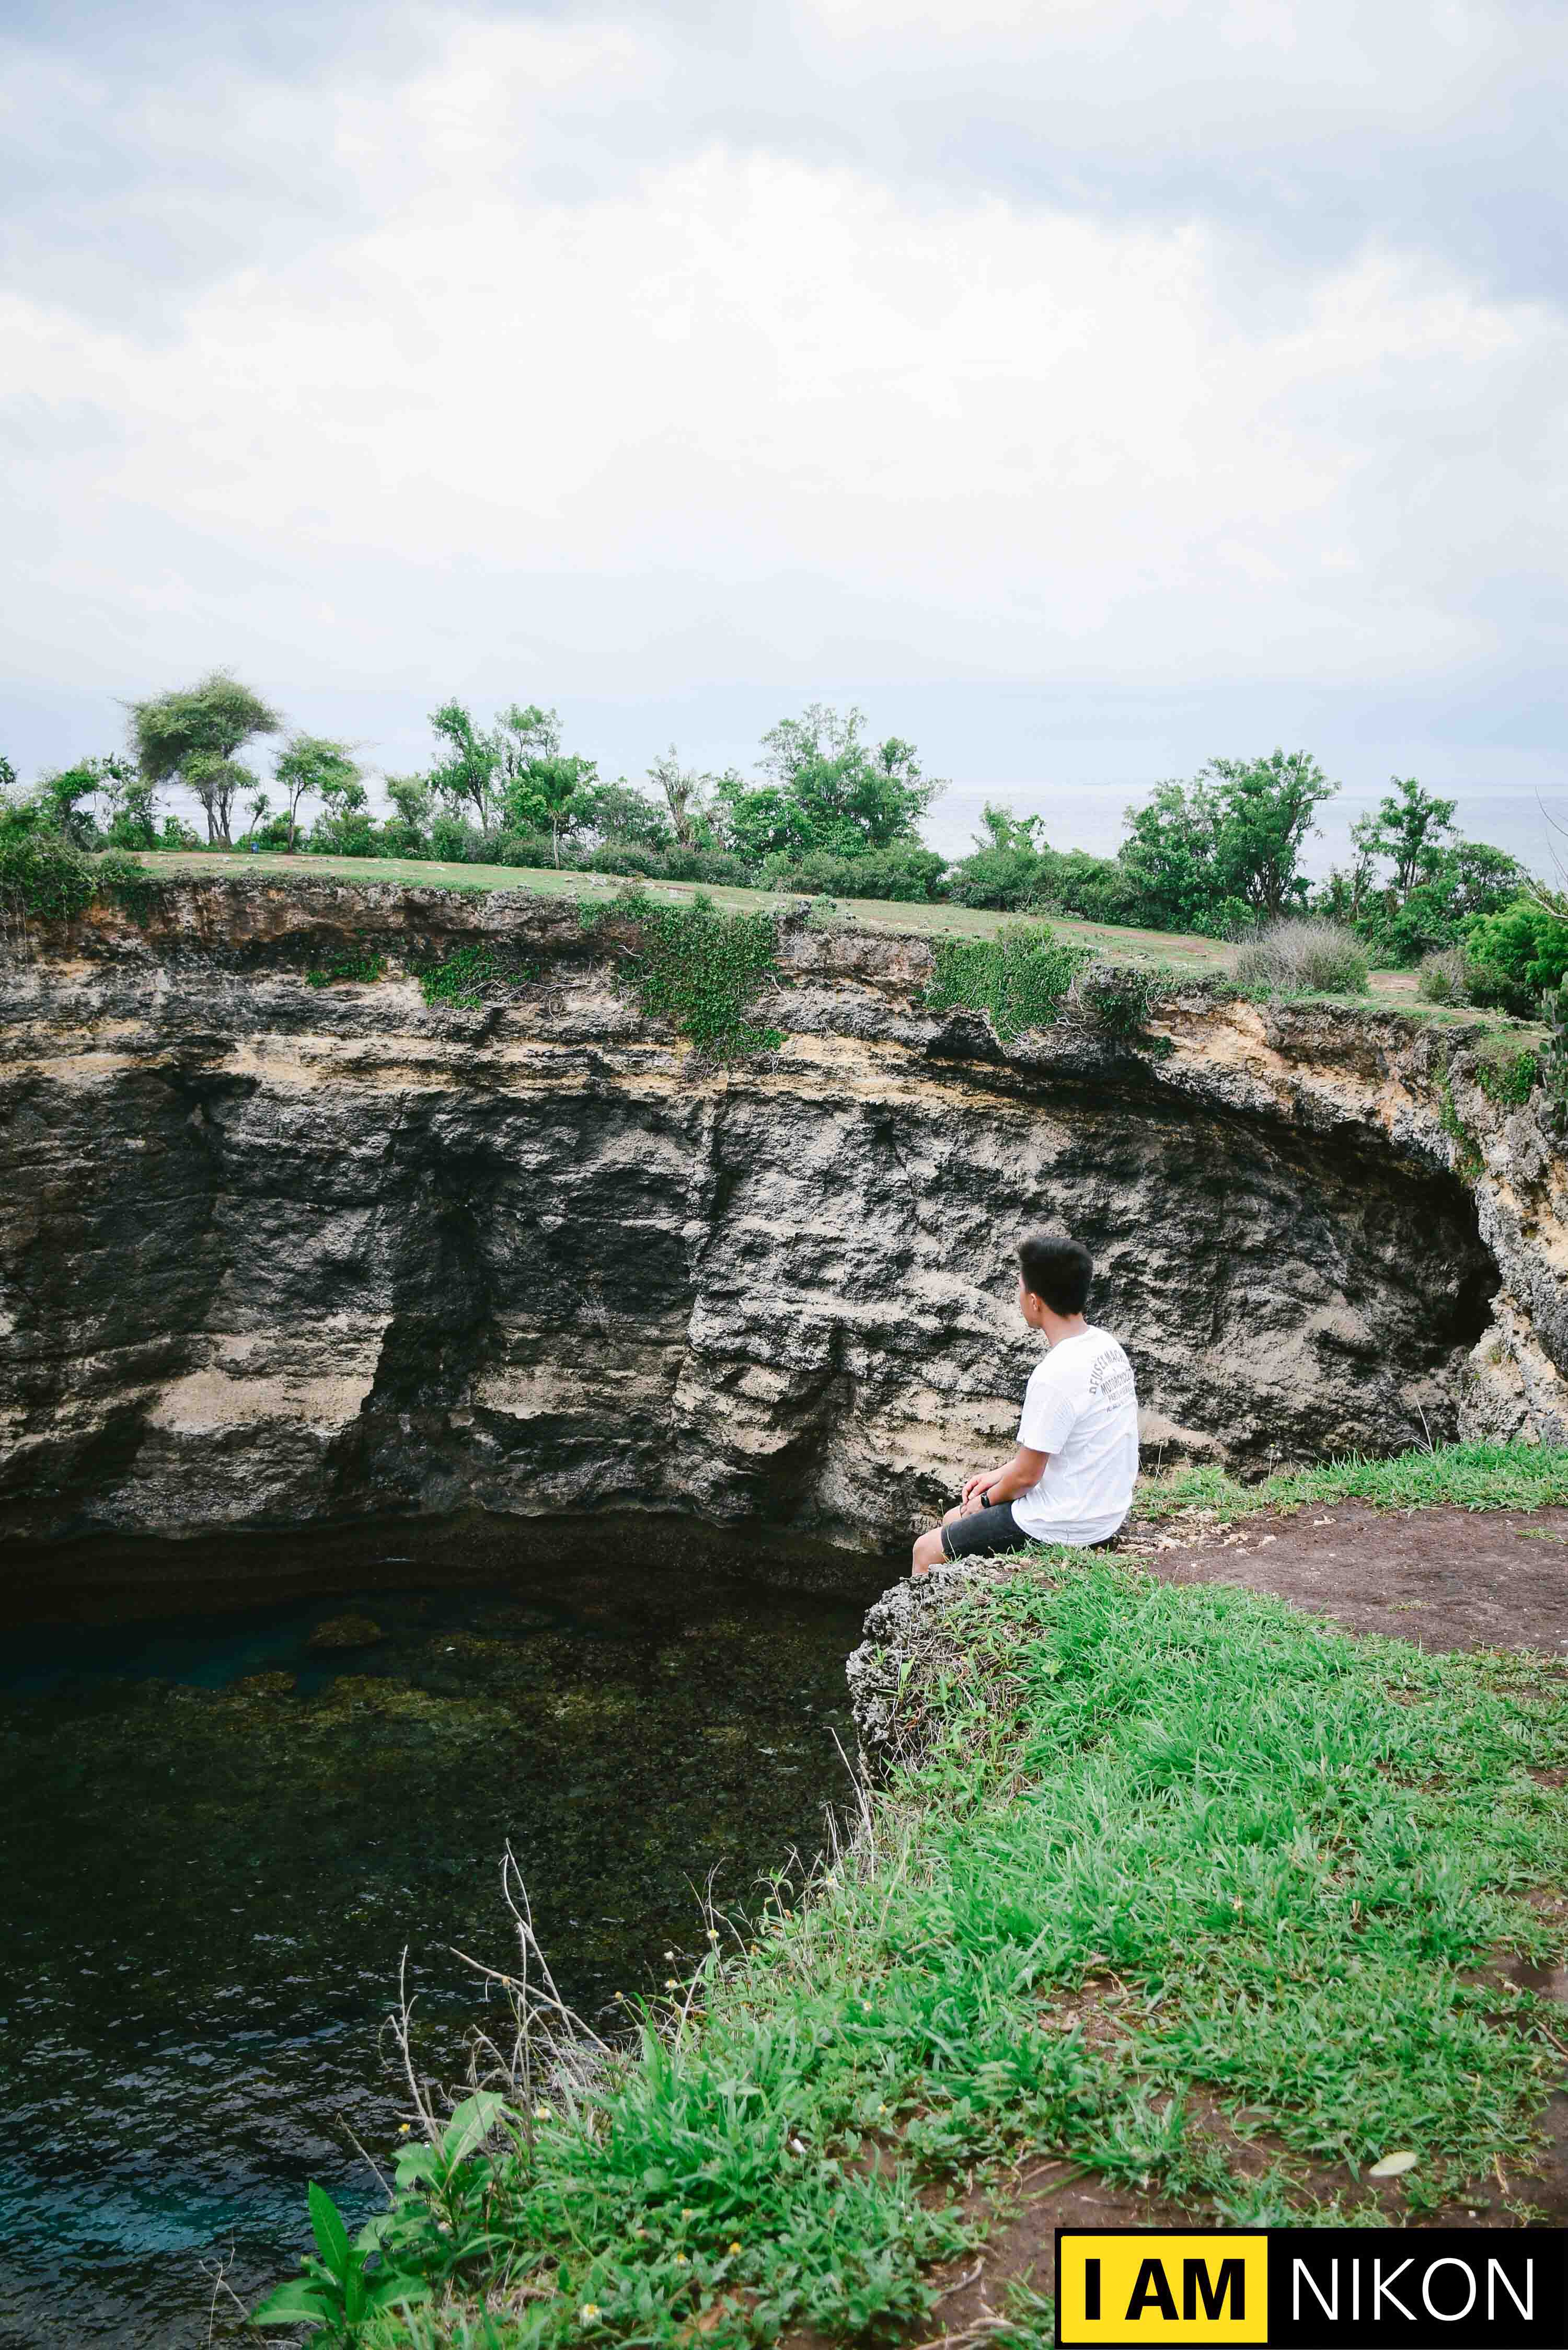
(273, 1251)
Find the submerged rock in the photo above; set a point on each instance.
(346, 1632)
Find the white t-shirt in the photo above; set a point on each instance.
(1081, 1408)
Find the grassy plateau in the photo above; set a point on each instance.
(1175, 1886)
(1176, 950)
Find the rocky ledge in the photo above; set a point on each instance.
(274, 1251)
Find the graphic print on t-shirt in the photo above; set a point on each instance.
(1081, 1408)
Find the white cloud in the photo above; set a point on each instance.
(581, 355)
(1058, 438)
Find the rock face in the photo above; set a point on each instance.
(273, 1251)
(905, 1642)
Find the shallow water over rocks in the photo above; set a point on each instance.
(222, 1822)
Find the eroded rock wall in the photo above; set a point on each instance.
(272, 1252)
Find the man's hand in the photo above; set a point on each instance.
(972, 1488)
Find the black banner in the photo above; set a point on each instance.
(1315, 2287)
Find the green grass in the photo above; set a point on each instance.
(1461, 1476)
(1271, 1855)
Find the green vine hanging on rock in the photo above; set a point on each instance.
(1472, 1164)
(464, 978)
(1511, 1078)
(698, 967)
(360, 965)
(1020, 976)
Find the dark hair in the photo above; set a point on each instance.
(1057, 1271)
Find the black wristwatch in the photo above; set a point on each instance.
(985, 1499)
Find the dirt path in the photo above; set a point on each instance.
(1442, 1578)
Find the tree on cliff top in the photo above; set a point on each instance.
(191, 736)
(543, 785)
(832, 791)
(313, 766)
(1226, 847)
(468, 777)
(688, 796)
(1412, 829)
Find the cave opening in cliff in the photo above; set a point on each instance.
(229, 1807)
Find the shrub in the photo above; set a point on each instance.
(1113, 998)
(362, 966)
(630, 857)
(399, 838)
(1005, 878)
(1019, 977)
(272, 836)
(1297, 956)
(1517, 956)
(42, 873)
(1509, 1079)
(529, 848)
(902, 873)
(460, 977)
(1443, 977)
(455, 842)
(641, 860)
(129, 882)
(684, 862)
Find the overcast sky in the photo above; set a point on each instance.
(1084, 387)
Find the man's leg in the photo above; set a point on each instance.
(928, 1551)
(966, 1533)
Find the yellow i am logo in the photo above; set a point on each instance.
(1147, 2287)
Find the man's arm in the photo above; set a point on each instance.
(1025, 1468)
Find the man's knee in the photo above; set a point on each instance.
(956, 1511)
(927, 1552)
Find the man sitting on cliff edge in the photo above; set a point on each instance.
(1071, 1479)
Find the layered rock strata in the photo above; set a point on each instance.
(273, 1251)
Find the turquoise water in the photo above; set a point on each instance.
(218, 1836)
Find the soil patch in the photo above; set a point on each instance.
(1043, 2197)
(1442, 1578)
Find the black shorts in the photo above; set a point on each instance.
(983, 1531)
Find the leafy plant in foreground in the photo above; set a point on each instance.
(338, 2291)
